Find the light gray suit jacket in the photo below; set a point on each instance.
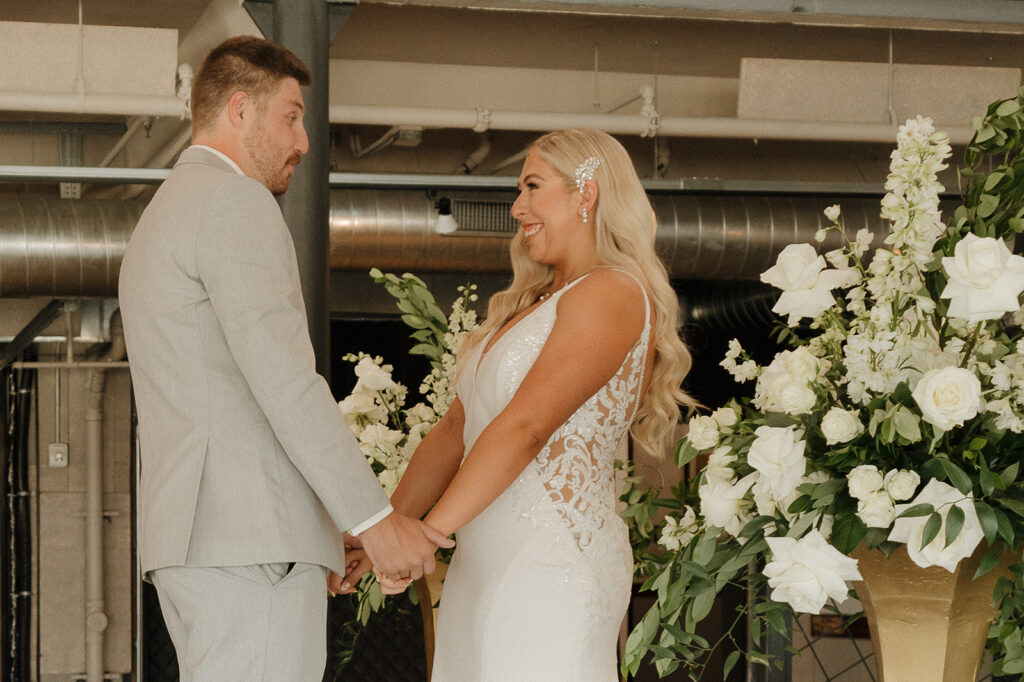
(245, 457)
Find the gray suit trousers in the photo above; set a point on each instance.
(259, 623)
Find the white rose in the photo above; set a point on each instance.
(766, 502)
(678, 532)
(718, 465)
(356, 405)
(373, 376)
(778, 454)
(722, 503)
(806, 573)
(942, 496)
(806, 285)
(901, 483)
(840, 426)
(948, 397)
(725, 417)
(985, 279)
(785, 384)
(863, 481)
(703, 433)
(876, 510)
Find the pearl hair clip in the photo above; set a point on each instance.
(585, 171)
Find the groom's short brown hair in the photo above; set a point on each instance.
(246, 63)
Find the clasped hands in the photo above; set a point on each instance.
(399, 549)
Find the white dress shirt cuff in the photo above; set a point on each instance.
(372, 521)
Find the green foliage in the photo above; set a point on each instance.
(978, 458)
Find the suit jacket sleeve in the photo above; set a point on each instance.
(246, 261)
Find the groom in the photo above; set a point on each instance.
(249, 474)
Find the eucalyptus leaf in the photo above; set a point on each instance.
(990, 561)
(702, 604)
(1013, 505)
(956, 475)
(1007, 107)
(931, 529)
(908, 424)
(730, 663)
(922, 509)
(847, 532)
(987, 204)
(987, 520)
(954, 524)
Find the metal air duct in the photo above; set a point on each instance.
(73, 248)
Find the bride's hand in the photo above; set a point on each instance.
(392, 586)
(356, 565)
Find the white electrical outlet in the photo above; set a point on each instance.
(58, 454)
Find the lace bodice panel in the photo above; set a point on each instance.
(571, 482)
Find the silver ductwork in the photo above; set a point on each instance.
(69, 248)
(63, 247)
(700, 236)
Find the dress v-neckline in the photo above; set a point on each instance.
(486, 349)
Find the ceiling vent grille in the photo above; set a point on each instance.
(483, 217)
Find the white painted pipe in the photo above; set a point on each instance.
(623, 124)
(128, 135)
(95, 603)
(111, 105)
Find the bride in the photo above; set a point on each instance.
(581, 348)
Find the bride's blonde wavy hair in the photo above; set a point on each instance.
(624, 225)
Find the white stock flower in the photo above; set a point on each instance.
(778, 454)
(380, 441)
(910, 530)
(372, 376)
(832, 212)
(806, 573)
(723, 505)
(678, 532)
(389, 480)
(419, 413)
(985, 279)
(785, 384)
(806, 284)
(702, 433)
(948, 397)
(901, 483)
(840, 426)
(863, 481)
(876, 509)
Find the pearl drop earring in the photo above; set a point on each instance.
(585, 214)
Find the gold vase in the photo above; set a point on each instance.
(927, 624)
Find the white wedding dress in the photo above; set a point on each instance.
(540, 580)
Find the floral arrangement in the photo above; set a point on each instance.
(893, 417)
(388, 431)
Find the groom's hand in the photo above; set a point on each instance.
(401, 547)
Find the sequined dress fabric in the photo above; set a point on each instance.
(540, 580)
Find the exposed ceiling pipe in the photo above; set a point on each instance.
(700, 236)
(137, 124)
(96, 619)
(482, 119)
(54, 247)
(107, 105)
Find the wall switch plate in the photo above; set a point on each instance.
(58, 454)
